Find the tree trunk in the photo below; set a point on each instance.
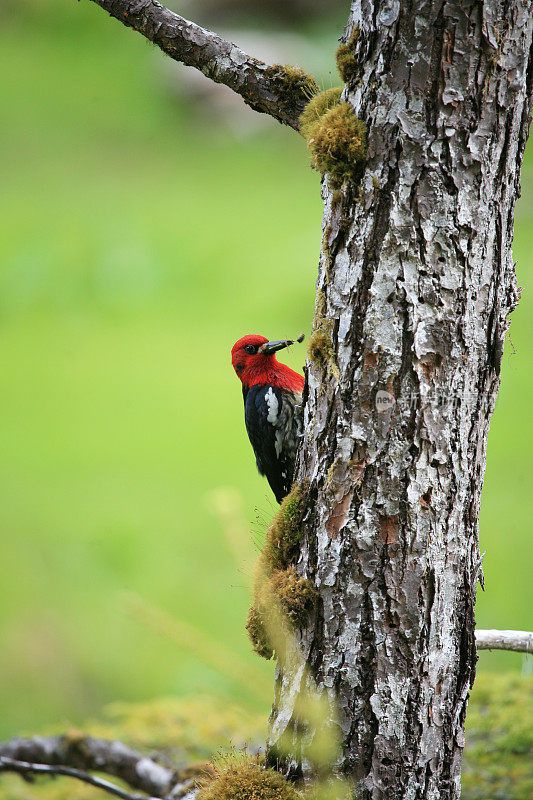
(416, 282)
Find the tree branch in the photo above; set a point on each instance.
(519, 641)
(77, 753)
(24, 768)
(279, 91)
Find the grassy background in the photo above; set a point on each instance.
(137, 245)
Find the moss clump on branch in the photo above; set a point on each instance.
(242, 777)
(345, 57)
(336, 138)
(294, 85)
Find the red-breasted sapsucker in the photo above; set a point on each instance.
(272, 395)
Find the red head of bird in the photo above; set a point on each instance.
(254, 360)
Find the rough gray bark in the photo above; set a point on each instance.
(261, 86)
(417, 280)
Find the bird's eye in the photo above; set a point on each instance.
(251, 349)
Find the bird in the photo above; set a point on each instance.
(272, 394)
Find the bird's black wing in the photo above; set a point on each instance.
(271, 426)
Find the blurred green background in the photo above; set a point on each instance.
(140, 239)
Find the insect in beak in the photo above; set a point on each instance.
(271, 347)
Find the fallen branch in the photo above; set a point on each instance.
(275, 90)
(25, 768)
(77, 754)
(519, 641)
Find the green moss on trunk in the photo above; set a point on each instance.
(279, 591)
(345, 57)
(336, 138)
(317, 107)
(285, 531)
(320, 348)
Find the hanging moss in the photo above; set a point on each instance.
(243, 777)
(285, 531)
(279, 590)
(258, 634)
(284, 593)
(294, 85)
(345, 57)
(295, 594)
(321, 305)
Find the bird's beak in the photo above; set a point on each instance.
(271, 347)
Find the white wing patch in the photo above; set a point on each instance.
(273, 406)
(273, 418)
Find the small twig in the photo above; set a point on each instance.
(23, 767)
(262, 87)
(517, 641)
